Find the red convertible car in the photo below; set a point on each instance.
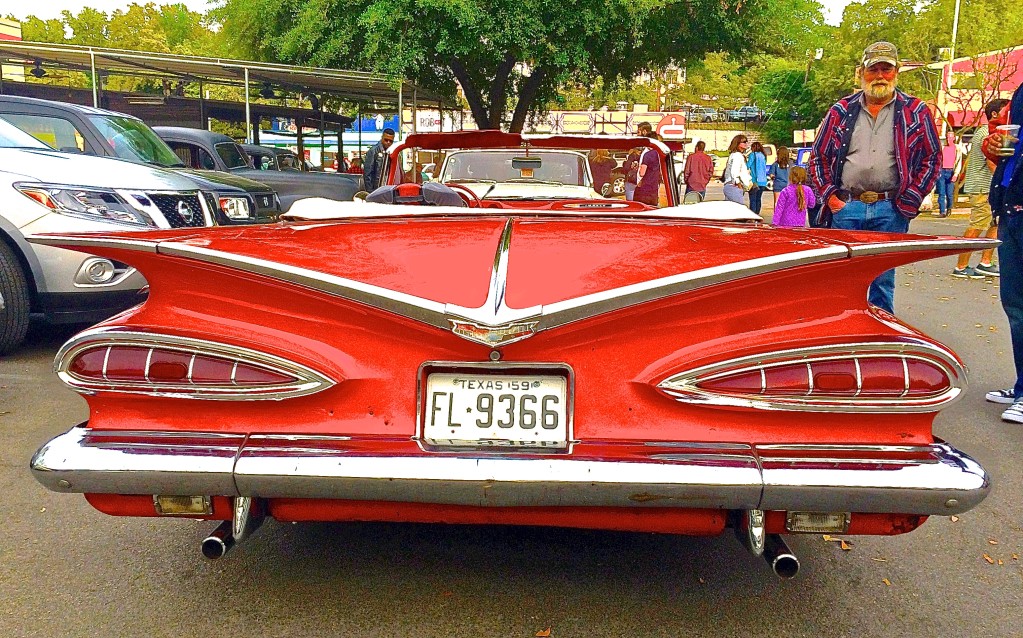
(580, 363)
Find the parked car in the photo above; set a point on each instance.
(505, 174)
(567, 363)
(268, 158)
(703, 114)
(47, 191)
(746, 114)
(76, 128)
(205, 149)
(544, 169)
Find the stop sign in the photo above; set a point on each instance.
(672, 125)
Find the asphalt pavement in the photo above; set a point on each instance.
(68, 571)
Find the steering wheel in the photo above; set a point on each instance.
(466, 193)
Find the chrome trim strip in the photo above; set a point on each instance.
(417, 308)
(859, 376)
(947, 481)
(106, 360)
(905, 376)
(683, 387)
(854, 449)
(307, 380)
(140, 245)
(563, 312)
(943, 243)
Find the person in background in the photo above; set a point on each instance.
(699, 169)
(1006, 198)
(757, 163)
(979, 170)
(644, 129)
(376, 158)
(779, 172)
(631, 169)
(648, 179)
(737, 178)
(794, 201)
(601, 167)
(948, 164)
(876, 157)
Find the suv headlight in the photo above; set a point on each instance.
(87, 202)
(235, 207)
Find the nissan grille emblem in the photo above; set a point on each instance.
(186, 212)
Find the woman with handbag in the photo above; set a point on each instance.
(736, 178)
(757, 163)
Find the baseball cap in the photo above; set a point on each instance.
(880, 52)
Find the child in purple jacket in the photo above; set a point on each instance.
(794, 200)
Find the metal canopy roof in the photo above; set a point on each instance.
(356, 86)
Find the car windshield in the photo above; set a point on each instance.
(132, 140)
(554, 167)
(13, 137)
(232, 155)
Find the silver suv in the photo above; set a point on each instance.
(48, 191)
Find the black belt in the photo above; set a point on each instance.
(867, 197)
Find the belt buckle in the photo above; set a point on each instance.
(869, 197)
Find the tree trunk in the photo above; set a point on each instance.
(526, 97)
(472, 93)
(499, 90)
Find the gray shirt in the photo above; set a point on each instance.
(870, 164)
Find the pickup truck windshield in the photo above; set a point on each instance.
(232, 155)
(132, 140)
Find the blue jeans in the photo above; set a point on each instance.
(945, 189)
(755, 198)
(1010, 260)
(882, 217)
(734, 194)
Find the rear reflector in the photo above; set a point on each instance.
(168, 365)
(846, 377)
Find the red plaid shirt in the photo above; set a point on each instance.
(917, 150)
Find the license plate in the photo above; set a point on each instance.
(473, 409)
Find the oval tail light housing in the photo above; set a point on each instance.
(181, 367)
(872, 377)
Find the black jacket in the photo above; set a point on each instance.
(373, 167)
(1008, 200)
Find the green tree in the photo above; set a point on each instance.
(500, 52)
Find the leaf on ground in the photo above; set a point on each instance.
(543, 633)
(954, 519)
(844, 545)
(701, 581)
(41, 510)
(879, 560)
(1000, 562)
(886, 582)
(992, 541)
(990, 561)
(1015, 557)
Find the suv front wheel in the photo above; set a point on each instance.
(14, 301)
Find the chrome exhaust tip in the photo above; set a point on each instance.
(780, 557)
(218, 542)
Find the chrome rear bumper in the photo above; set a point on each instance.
(934, 479)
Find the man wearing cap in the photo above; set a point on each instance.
(876, 157)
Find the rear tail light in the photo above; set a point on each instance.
(878, 377)
(167, 365)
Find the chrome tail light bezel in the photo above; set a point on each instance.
(684, 387)
(306, 380)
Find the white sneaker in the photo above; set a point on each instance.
(1015, 413)
(1006, 396)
